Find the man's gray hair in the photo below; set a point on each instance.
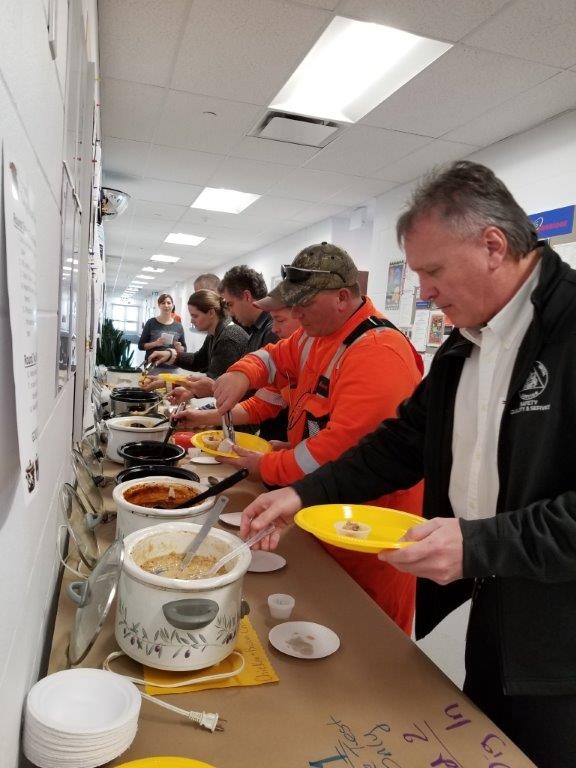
(467, 197)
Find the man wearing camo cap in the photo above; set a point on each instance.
(348, 369)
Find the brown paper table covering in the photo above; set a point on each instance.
(377, 702)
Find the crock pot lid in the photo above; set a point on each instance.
(75, 512)
(87, 483)
(101, 589)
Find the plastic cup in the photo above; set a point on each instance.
(281, 606)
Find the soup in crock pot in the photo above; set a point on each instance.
(160, 495)
(169, 566)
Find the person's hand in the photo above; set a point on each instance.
(203, 386)
(179, 394)
(229, 389)
(249, 460)
(280, 445)
(150, 383)
(278, 507)
(160, 357)
(193, 418)
(179, 347)
(436, 554)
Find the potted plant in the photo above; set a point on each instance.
(112, 349)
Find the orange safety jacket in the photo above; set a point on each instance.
(336, 394)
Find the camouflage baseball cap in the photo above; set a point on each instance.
(272, 301)
(320, 267)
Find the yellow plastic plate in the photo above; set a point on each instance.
(172, 378)
(165, 762)
(387, 526)
(243, 439)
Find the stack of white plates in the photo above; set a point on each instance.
(80, 718)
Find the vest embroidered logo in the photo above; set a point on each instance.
(533, 388)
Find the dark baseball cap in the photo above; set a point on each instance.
(320, 267)
(272, 301)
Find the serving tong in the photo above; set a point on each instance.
(228, 427)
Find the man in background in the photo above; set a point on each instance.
(208, 281)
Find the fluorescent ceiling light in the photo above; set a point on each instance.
(145, 277)
(354, 66)
(224, 200)
(164, 257)
(181, 238)
(153, 269)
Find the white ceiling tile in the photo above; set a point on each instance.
(314, 213)
(310, 184)
(361, 149)
(245, 49)
(361, 190)
(275, 208)
(130, 110)
(520, 113)
(182, 165)
(458, 87)
(142, 209)
(122, 156)
(248, 175)
(137, 41)
(329, 5)
(187, 122)
(267, 150)
(423, 160)
(168, 192)
(441, 19)
(537, 30)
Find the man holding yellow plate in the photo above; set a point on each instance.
(491, 430)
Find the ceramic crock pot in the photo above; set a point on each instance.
(128, 400)
(131, 429)
(173, 624)
(150, 452)
(134, 517)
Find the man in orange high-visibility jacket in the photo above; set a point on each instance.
(347, 369)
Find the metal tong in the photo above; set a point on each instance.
(228, 427)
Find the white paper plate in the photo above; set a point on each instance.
(203, 459)
(231, 518)
(304, 639)
(264, 562)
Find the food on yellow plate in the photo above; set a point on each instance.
(160, 495)
(169, 565)
(352, 528)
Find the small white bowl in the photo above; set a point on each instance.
(281, 606)
(352, 529)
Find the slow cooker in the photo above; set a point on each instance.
(173, 624)
(124, 430)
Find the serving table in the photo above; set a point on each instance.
(377, 701)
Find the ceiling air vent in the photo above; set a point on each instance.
(295, 129)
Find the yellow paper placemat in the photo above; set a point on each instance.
(257, 668)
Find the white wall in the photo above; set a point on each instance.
(32, 93)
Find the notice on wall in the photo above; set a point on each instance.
(21, 263)
(420, 326)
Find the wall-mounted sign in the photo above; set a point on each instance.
(559, 221)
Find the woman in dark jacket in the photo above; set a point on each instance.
(224, 344)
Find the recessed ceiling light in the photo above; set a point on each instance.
(181, 238)
(224, 200)
(165, 258)
(145, 277)
(353, 67)
(138, 282)
(153, 269)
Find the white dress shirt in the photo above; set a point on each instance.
(480, 399)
